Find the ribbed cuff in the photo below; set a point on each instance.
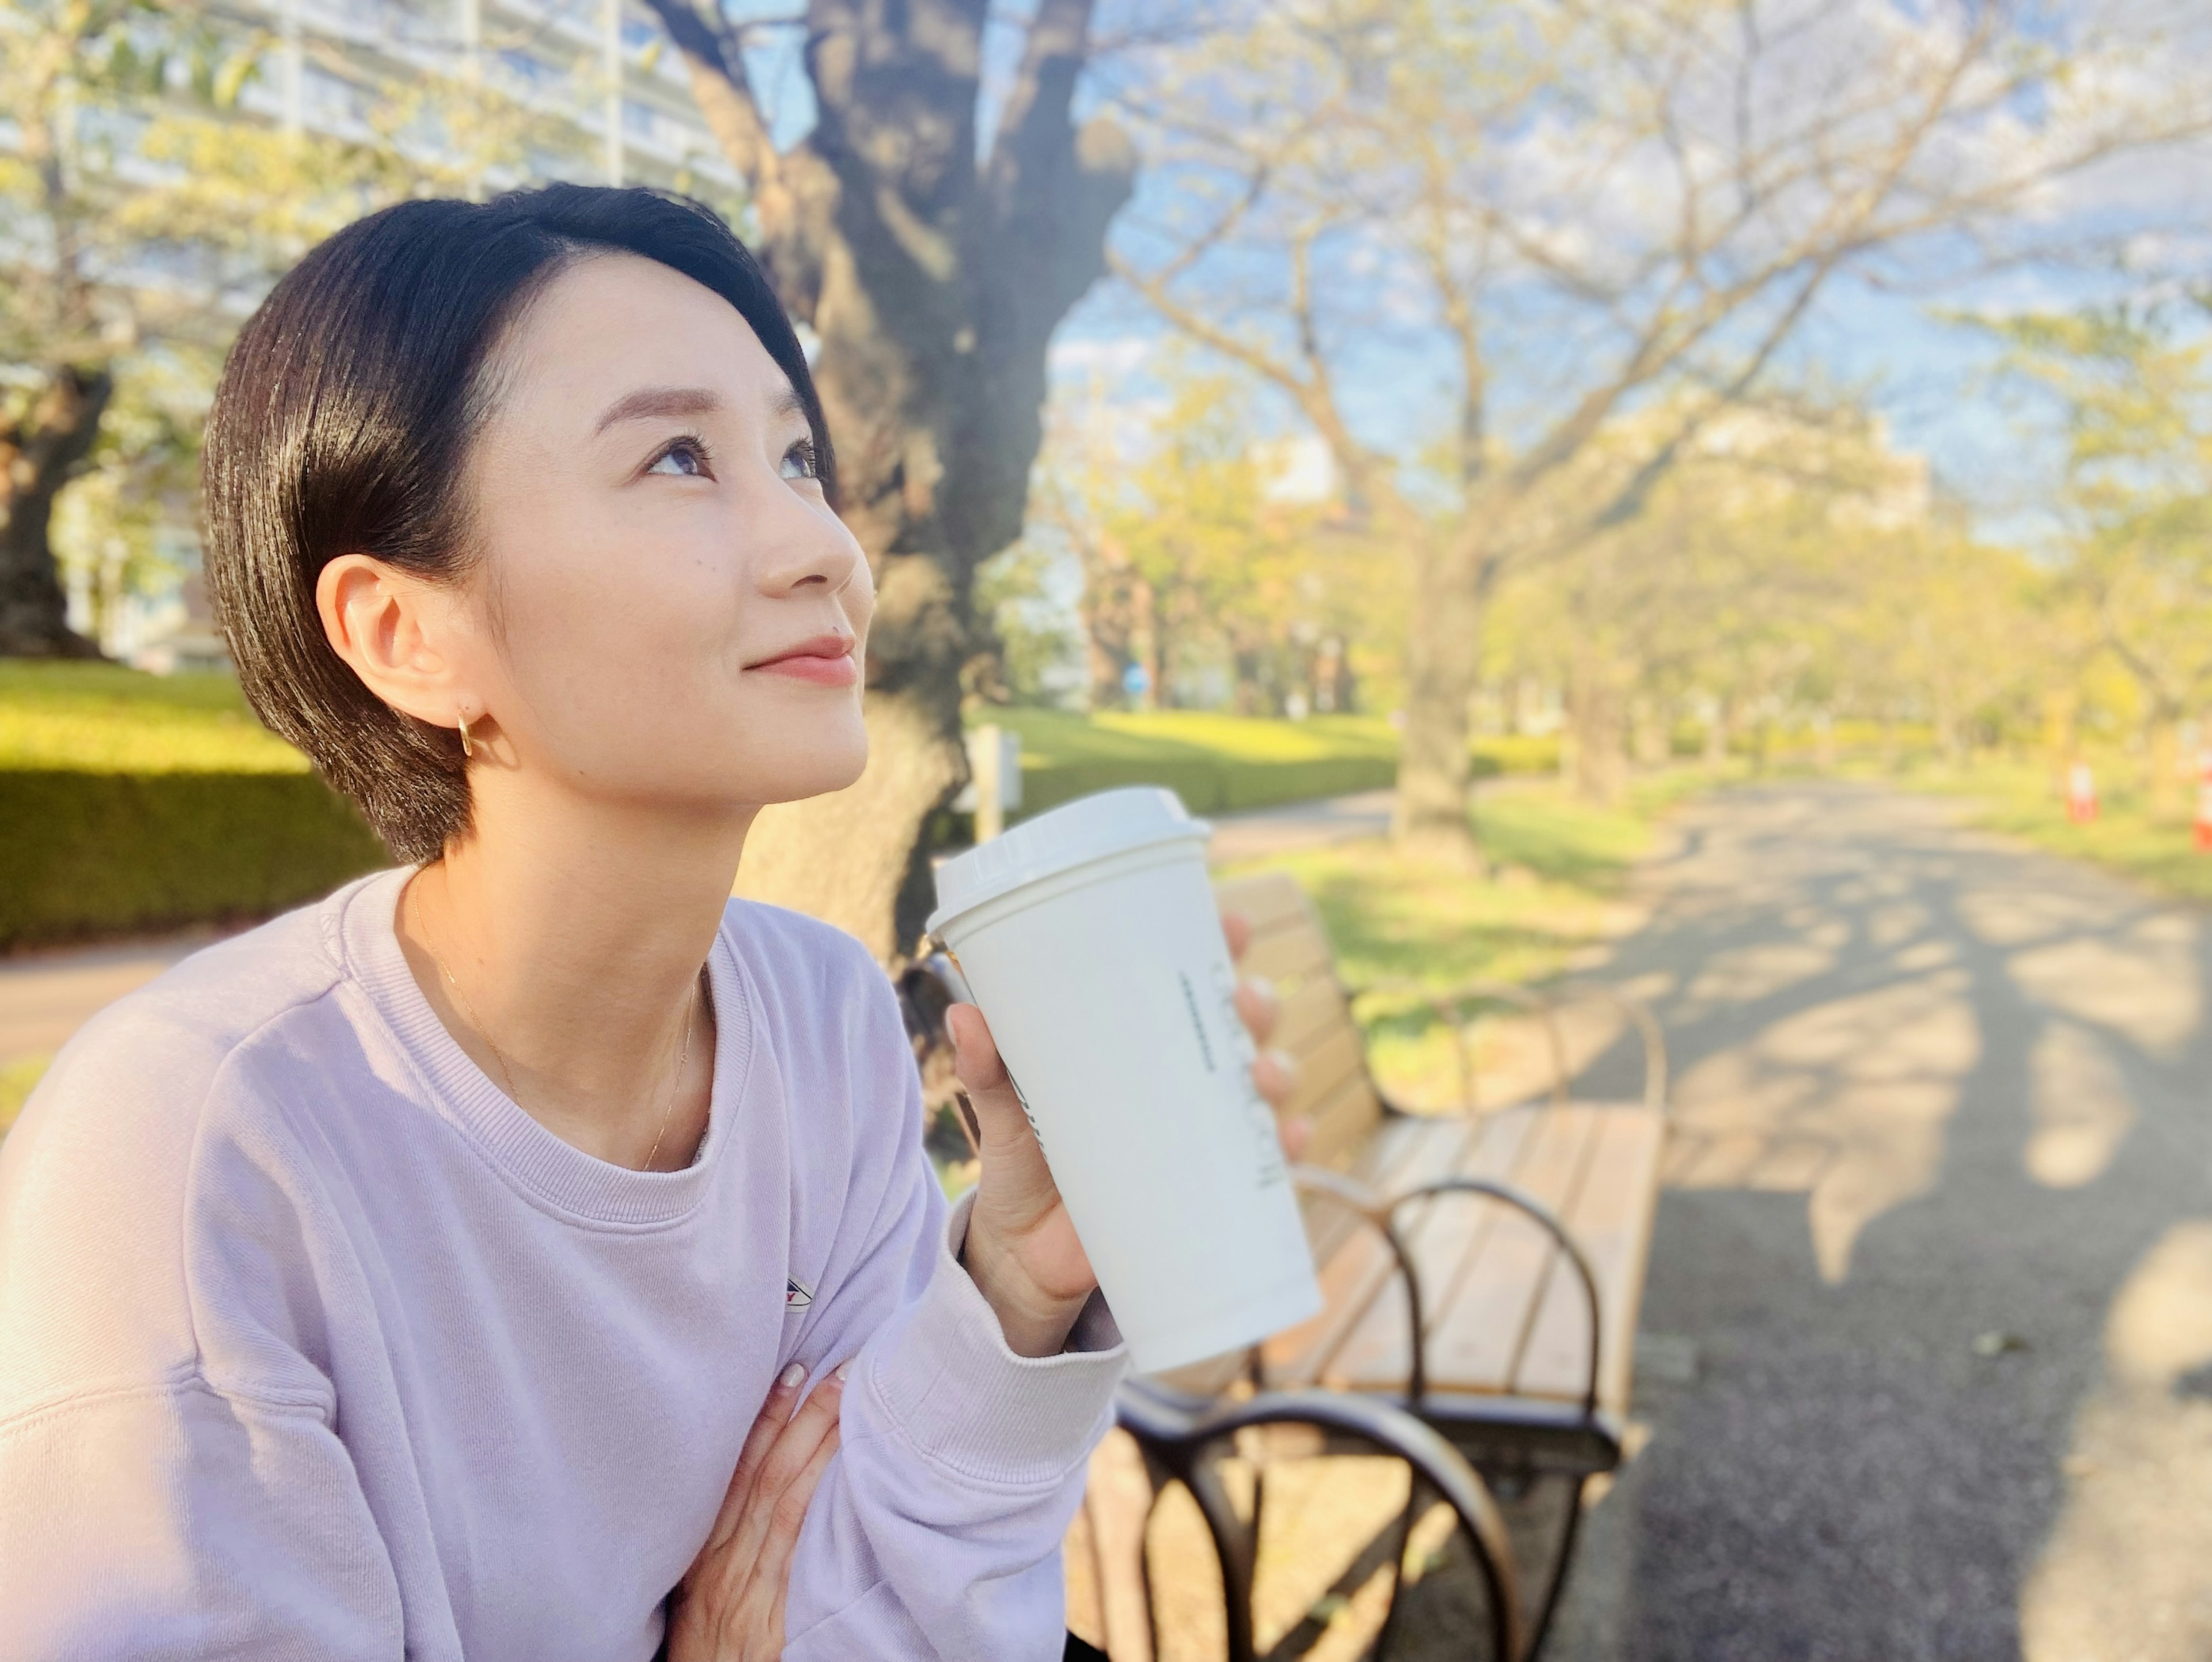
(946, 1380)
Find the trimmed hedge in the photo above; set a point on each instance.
(90, 854)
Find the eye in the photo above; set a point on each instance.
(685, 458)
(801, 462)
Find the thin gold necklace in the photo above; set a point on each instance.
(506, 1074)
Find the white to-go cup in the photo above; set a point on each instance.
(1089, 939)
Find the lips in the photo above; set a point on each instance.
(826, 660)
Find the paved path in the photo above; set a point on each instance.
(1260, 833)
(46, 996)
(1940, 1234)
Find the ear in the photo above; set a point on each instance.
(405, 638)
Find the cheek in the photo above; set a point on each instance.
(603, 634)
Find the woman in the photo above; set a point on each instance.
(433, 1271)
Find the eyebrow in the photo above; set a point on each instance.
(651, 401)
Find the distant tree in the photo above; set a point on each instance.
(141, 208)
(1194, 566)
(2133, 391)
(1574, 214)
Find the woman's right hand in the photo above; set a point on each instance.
(729, 1606)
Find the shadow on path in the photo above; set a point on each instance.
(1940, 1227)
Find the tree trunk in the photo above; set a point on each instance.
(37, 457)
(1717, 738)
(933, 279)
(2162, 767)
(1596, 711)
(1443, 663)
(1651, 719)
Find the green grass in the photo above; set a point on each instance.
(17, 1078)
(103, 718)
(1219, 764)
(2021, 799)
(1051, 737)
(1561, 866)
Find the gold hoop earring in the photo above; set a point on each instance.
(468, 749)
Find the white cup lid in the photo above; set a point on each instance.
(1073, 834)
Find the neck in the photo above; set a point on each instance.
(562, 943)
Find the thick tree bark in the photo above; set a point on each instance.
(1596, 711)
(37, 457)
(1444, 665)
(934, 283)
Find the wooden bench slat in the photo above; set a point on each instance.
(1611, 1220)
(1482, 1318)
(1439, 1234)
(1343, 1123)
(1325, 1067)
(1264, 899)
(1287, 956)
(1362, 1267)
(1310, 1015)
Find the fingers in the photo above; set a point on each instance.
(1238, 929)
(999, 1116)
(1257, 1006)
(1275, 1077)
(771, 1574)
(1297, 1136)
(775, 1413)
(794, 1450)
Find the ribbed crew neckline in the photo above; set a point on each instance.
(556, 1173)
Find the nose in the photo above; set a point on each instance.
(804, 547)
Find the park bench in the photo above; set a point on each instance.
(1482, 1271)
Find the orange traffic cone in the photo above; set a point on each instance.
(2081, 794)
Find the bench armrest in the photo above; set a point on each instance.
(1180, 1439)
(1545, 1220)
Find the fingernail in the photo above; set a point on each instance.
(844, 1367)
(795, 1374)
(1261, 985)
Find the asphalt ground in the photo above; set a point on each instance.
(1930, 1310)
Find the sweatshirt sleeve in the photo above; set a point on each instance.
(936, 1531)
(169, 1487)
(174, 1522)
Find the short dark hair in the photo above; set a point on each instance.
(342, 425)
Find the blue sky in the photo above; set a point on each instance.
(1932, 378)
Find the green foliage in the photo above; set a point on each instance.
(131, 801)
(1013, 598)
(106, 853)
(2132, 390)
(1198, 566)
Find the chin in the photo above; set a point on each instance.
(832, 767)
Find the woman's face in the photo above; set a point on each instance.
(670, 612)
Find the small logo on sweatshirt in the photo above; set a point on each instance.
(797, 1294)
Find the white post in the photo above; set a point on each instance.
(611, 17)
(985, 755)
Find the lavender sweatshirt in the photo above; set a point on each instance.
(313, 1344)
